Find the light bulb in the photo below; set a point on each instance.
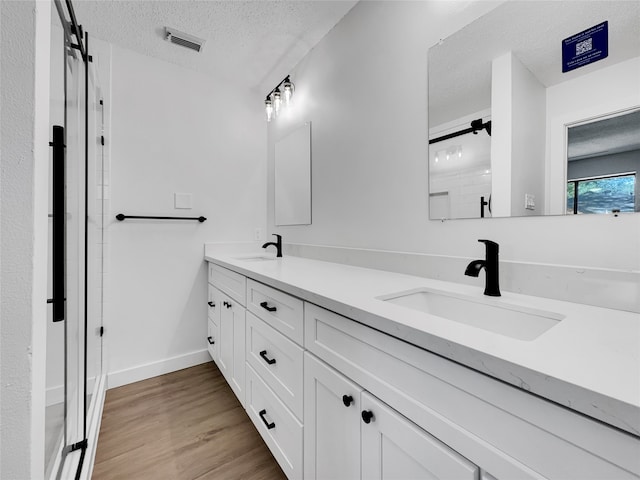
(277, 100)
(287, 88)
(268, 108)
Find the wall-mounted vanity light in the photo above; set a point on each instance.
(276, 97)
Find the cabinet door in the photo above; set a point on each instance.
(232, 344)
(331, 423)
(212, 340)
(395, 448)
(213, 309)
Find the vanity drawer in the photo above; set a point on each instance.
(212, 340)
(280, 310)
(492, 424)
(277, 360)
(279, 428)
(229, 282)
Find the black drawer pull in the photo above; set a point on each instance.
(347, 400)
(270, 361)
(266, 306)
(367, 416)
(268, 425)
(211, 304)
(211, 341)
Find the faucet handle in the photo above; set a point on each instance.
(278, 237)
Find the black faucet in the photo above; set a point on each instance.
(277, 244)
(490, 264)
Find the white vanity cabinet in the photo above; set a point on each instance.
(308, 374)
(332, 422)
(274, 356)
(227, 318)
(213, 314)
(393, 447)
(505, 431)
(351, 434)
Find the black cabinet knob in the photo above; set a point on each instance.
(227, 304)
(347, 400)
(211, 341)
(367, 416)
(211, 304)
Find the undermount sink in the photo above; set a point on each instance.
(494, 315)
(255, 258)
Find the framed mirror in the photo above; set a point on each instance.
(511, 92)
(293, 177)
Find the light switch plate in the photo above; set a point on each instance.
(182, 200)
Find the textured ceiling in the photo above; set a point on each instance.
(253, 43)
(617, 134)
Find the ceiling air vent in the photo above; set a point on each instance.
(184, 39)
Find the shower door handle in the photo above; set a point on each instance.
(58, 227)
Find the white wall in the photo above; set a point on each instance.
(518, 137)
(24, 118)
(173, 130)
(364, 87)
(528, 140)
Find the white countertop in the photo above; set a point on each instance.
(589, 361)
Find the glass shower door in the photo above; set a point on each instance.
(65, 415)
(75, 190)
(55, 376)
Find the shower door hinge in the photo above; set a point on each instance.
(101, 331)
(90, 58)
(101, 102)
(102, 139)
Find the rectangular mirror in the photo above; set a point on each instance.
(293, 177)
(510, 94)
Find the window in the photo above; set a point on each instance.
(602, 194)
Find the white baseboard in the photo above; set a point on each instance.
(150, 370)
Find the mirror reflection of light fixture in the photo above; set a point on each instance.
(274, 99)
(451, 153)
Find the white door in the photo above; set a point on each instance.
(331, 423)
(395, 448)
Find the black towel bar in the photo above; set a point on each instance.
(121, 217)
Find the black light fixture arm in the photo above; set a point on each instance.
(286, 79)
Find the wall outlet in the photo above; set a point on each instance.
(257, 234)
(529, 201)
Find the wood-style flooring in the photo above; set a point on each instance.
(185, 425)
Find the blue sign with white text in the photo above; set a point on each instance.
(585, 47)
